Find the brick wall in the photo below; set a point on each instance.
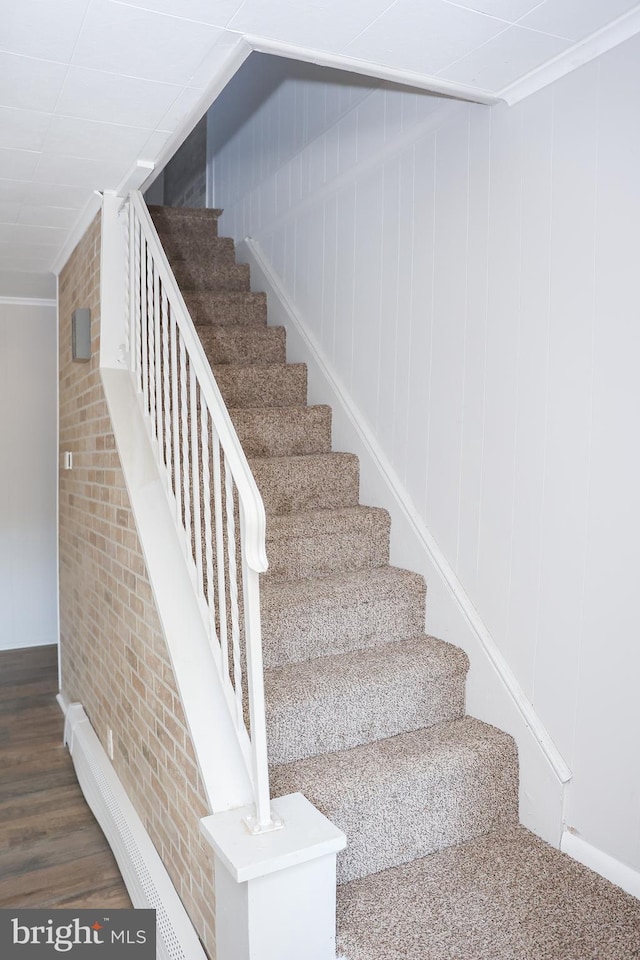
(114, 658)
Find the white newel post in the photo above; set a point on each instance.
(275, 891)
(113, 327)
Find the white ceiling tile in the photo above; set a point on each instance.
(23, 249)
(214, 60)
(25, 264)
(322, 23)
(71, 171)
(42, 28)
(47, 216)
(504, 59)
(12, 191)
(94, 95)
(510, 10)
(576, 19)
(87, 138)
(17, 164)
(424, 35)
(45, 194)
(23, 129)
(30, 84)
(204, 11)
(9, 211)
(138, 43)
(19, 233)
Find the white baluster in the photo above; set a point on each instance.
(195, 475)
(125, 219)
(150, 346)
(208, 533)
(175, 422)
(137, 292)
(144, 326)
(157, 338)
(264, 819)
(220, 564)
(233, 591)
(166, 388)
(184, 432)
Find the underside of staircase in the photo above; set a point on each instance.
(366, 713)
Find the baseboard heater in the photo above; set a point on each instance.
(143, 872)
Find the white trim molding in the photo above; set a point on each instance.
(143, 872)
(28, 302)
(607, 866)
(367, 68)
(493, 692)
(615, 33)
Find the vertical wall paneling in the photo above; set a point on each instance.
(448, 333)
(404, 326)
(472, 275)
(367, 280)
(523, 611)
(564, 508)
(503, 321)
(606, 738)
(472, 439)
(421, 316)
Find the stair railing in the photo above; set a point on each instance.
(218, 509)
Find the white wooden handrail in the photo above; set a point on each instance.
(207, 479)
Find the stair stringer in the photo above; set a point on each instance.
(493, 692)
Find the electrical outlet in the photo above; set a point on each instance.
(110, 743)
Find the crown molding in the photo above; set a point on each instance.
(611, 36)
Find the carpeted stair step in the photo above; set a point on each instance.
(226, 343)
(303, 619)
(321, 543)
(283, 431)
(318, 481)
(506, 895)
(198, 275)
(185, 218)
(182, 245)
(407, 796)
(221, 307)
(262, 384)
(361, 697)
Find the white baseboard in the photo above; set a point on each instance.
(143, 872)
(23, 643)
(614, 870)
(493, 693)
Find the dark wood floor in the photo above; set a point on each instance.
(52, 851)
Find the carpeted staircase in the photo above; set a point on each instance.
(365, 712)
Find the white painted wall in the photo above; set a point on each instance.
(28, 473)
(473, 275)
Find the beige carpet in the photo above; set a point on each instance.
(505, 896)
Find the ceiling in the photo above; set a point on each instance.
(90, 87)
